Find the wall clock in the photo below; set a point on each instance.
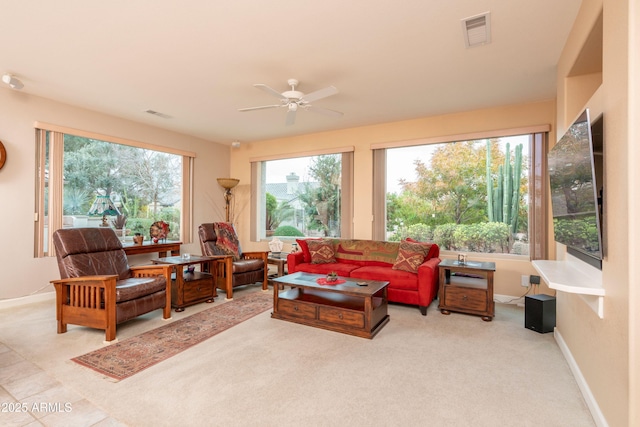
(3, 155)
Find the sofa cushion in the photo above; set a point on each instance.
(137, 287)
(398, 279)
(410, 256)
(227, 239)
(342, 269)
(304, 247)
(247, 264)
(321, 251)
(366, 252)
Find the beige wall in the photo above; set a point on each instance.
(22, 274)
(602, 348)
(509, 271)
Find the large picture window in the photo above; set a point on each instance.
(303, 196)
(472, 195)
(86, 181)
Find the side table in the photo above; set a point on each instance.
(191, 287)
(467, 288)
(279, 260)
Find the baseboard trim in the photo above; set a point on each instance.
(590, 400)
(30, 299)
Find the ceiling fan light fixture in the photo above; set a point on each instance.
(293, 99)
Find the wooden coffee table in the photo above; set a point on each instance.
(347, 307)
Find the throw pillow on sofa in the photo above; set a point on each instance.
(431, 249)
(321, 251)
(410, 256)
(304, 247)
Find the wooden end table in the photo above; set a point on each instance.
(467, 288)
(188, 288)
(278, 260)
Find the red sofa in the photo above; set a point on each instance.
(368, 259)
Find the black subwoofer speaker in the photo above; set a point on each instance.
(540, 313)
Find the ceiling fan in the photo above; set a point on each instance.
(293, 100)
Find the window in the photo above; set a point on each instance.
(88, 181)
(472, 195)
(303, 196)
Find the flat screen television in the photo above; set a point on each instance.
(575, 174)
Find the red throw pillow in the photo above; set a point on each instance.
(321, 252)
(410, 256)
(304, 247)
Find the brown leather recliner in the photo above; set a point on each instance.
(97, 288)
(251, 267)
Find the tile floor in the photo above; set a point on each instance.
(31, 397)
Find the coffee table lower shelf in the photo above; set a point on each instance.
(362, 317)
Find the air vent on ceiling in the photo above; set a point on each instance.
(156, 113)
(477, 30)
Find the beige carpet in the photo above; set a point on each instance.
(429, 371)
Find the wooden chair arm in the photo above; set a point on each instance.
(152, 270)
(85, 280)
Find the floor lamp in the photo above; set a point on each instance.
(227, 184)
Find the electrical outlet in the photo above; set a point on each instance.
(525, 281)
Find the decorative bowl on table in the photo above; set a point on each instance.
(332, 277)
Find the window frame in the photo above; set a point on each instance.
(538, 213)
(258, 197)
(55, 181)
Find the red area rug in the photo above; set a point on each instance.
(132, 355)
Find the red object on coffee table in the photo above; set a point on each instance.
(323, 281)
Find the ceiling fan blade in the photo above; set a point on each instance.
(260, 108)
(324, 111)
(271, 91)
(319, 94)
(291, 117)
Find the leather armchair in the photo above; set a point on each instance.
(97, 288)
(247, 268)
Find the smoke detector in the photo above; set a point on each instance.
(477, 30)
(13, 82)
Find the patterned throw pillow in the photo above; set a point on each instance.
(429, 246)
(227, 239)
(304, 247)
(321, 251)
(410, 256)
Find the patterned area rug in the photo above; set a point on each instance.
(132, 355)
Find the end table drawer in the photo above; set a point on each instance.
(471, 299)
(296, 309)
(341, 317)
(195, 291)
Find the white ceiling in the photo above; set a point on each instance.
(196, 61)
